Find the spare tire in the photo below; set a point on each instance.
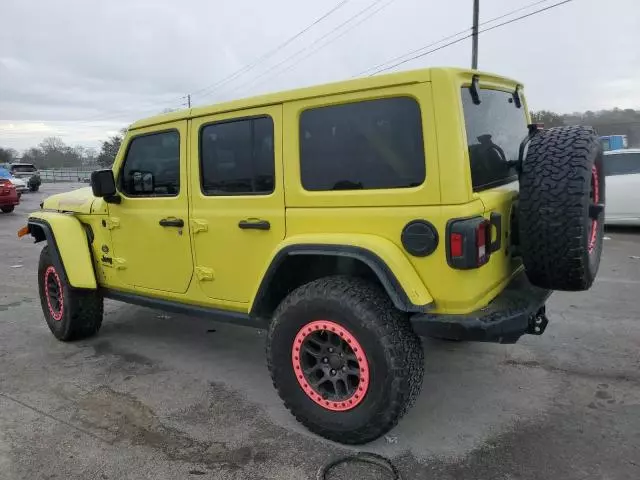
(561, 208)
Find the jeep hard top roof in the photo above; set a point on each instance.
(348, 86)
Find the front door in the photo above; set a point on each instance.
(150, 227)
(237, 208)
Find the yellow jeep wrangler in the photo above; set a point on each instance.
(347, 219)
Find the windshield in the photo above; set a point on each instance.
(495, 128)
(23, 168)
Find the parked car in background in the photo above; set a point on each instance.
(613, 142)
(9, 197)
(19, 184)
(622, 176)
(28, 173)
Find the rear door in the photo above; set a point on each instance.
(237, 200)
(495, 127)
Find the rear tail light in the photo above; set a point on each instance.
(5, 187)
(468, 242)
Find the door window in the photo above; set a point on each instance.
(237, 157)
(152, 166)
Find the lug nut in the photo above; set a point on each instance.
(325, 360)
(330, 350)
(344, 369)
(333, 372)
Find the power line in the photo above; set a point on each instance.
(469, 35)
(320, 47)
(270, 53)
(449, 37)
(246, 68)
(302, 50)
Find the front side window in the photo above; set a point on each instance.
(495, 128)
(371, 144)
(237, 157)
(621, 164)
(152, 166)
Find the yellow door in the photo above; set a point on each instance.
(150, 228)
(237, 199)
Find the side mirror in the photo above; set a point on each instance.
(102, 183)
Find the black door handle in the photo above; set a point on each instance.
(254, 224)
(172, 222)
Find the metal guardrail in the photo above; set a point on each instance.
(66, 175)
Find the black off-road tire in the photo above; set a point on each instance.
(80, 312)
(393, 352)
(34, 188)
(8, 208)
(561, 232)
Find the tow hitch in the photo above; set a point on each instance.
(538, 322)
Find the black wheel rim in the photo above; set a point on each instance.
(53, 293)
(330, 365)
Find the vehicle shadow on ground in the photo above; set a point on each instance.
(446, 420)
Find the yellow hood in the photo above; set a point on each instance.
(77, 201)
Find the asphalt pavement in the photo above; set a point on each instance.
(163, 396)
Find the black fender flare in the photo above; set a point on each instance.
(382, 271)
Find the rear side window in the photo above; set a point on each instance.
(237, 157)
(621, 164)
(23, 168)
(152, 166)
(364, 145)
(495, 128)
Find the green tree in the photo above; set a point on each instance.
(8, 155)
(549, 119)
(109, 149)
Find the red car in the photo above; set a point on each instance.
(8, 196)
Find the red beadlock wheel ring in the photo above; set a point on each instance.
(54, 293)
(330, 365)
(595, 190)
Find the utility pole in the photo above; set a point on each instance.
(474, 35)
(189, 100)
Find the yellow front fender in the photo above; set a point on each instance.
(68, 241)
(385, 258)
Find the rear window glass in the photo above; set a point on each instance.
(23, 168)
(621, 164)
(363, 145)
(495, 128)
(237, 157)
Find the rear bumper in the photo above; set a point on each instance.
(9, 200)
(518, 309)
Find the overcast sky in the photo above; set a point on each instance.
(83, 69)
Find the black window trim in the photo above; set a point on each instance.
(496, 183)
(233, 120)
(373, 97)
(119, 179)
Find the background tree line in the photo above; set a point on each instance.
(52, 152)
(606, 122)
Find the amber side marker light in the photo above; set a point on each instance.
(23, 231)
